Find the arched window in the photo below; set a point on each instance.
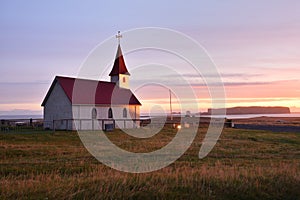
(110, 114)
(94, 113)
(124, 79)
(124, 113)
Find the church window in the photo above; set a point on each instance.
(124, 79)
(124, 113)
(110, 114)
(94, 113)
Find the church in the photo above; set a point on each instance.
(83, 104)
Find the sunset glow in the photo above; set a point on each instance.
(255, 47)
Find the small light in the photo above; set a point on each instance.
(178, 126)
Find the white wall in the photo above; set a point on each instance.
(118, 79)
(57, 107)
(83, 116)
(124, 84)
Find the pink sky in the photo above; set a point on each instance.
(254, 44)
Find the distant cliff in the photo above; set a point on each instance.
(255, 110)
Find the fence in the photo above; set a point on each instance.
(92, 124)
(109, 124)
(29, 125)
(21, 125)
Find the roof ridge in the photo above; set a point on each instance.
(85, 79)
(103, 93)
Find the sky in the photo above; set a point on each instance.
(254, 44)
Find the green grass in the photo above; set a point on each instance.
(245, 164)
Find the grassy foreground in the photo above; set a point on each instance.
(243, 165)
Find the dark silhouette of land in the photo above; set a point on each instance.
(252, 110)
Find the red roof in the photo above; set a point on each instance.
(84, 91)
(119, 64)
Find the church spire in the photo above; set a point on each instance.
(119, 66)
(119, 73)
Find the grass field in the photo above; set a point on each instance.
(243, 165)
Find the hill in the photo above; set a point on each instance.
(254, 110)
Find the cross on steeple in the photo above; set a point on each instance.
(119, 36)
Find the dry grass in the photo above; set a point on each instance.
(280, 121)
(243, 165)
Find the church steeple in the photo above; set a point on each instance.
(119, 73)
(119, 66)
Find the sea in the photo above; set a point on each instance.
(247, 116)
(243, 116)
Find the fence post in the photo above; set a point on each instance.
(53, 124)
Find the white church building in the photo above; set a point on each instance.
(83, 104)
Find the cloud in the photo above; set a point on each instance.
(239, 100)
(176, 82)
(25, 83)
(194, 79)
(224, 75)
(250, 83)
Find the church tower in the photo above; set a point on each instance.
(119, 73)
